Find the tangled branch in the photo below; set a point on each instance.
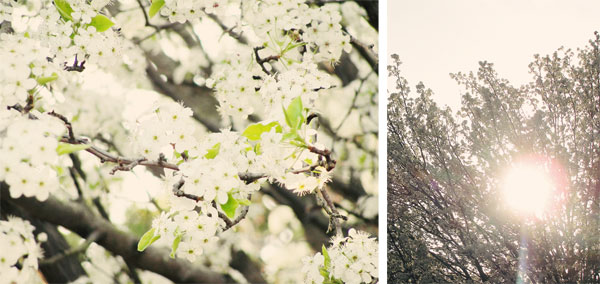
(262, 61)
(127, 164)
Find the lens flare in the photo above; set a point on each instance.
(527, 188)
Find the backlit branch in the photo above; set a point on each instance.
(127, 164)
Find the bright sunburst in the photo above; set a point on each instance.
(527, 188)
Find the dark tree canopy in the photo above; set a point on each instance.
(447, 221)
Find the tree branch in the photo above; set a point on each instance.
(76, 218)
(147, 19)
(334, 214)
(262, 61)
(74, 250)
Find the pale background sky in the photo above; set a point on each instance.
(436, 37)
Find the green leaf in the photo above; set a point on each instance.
(175, 246)
(44, 80)
(294, 138)
(254, 131)
(244, 202)
(66, 148)
(291, 136)
(213, 152)
(327, 261)
(155, 7)
(59, 170)
(257, 149)
(64, 9)
(325, 274)
(76, 117)
(180, 155)
(324, 271)
(147, 239)
(293, 114)
(291, 46)
(362, 159)
(230, 206)
(101, 23)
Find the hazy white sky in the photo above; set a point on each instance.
(436, 37)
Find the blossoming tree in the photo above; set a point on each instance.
(204, 141)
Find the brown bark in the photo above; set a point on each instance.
(83, 222)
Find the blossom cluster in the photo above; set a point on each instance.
(182, 10)
(215, 178)
(91, 111)
(29, 155)
(46, 43)
(239, 84)
(168, 127)
(73, 27)
(25, 65)
(298, 36)
(278, 81)
(235, 83)
(285, 25)
(351, 259)
(188, 232)
(76, 34)
(19, 249)
(300, 80)
(209, 169)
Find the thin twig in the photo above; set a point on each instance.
(111, 144)
(121, 161)
(228, 222)
(242, 39)
(67, 124)
(95, 235)
(131, 165)
(366, 52)
(249, 178)
(77, 67)
(20, 109)
(179, 192)
(76, 183)
(238, 219)
(330, 162)
(262, 61)
(352, 106)
(334, 214)
(127, 164)
(153, 201)
(16, 107)
(29, 106)
(309, 170)
(147, 19)
(356, 214)
(133, 275)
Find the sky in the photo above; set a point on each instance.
(435, 38)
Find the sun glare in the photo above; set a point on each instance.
(527, 188)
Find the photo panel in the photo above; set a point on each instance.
(189, 141)
(493, 142)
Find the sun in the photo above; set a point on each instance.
(527, 188)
